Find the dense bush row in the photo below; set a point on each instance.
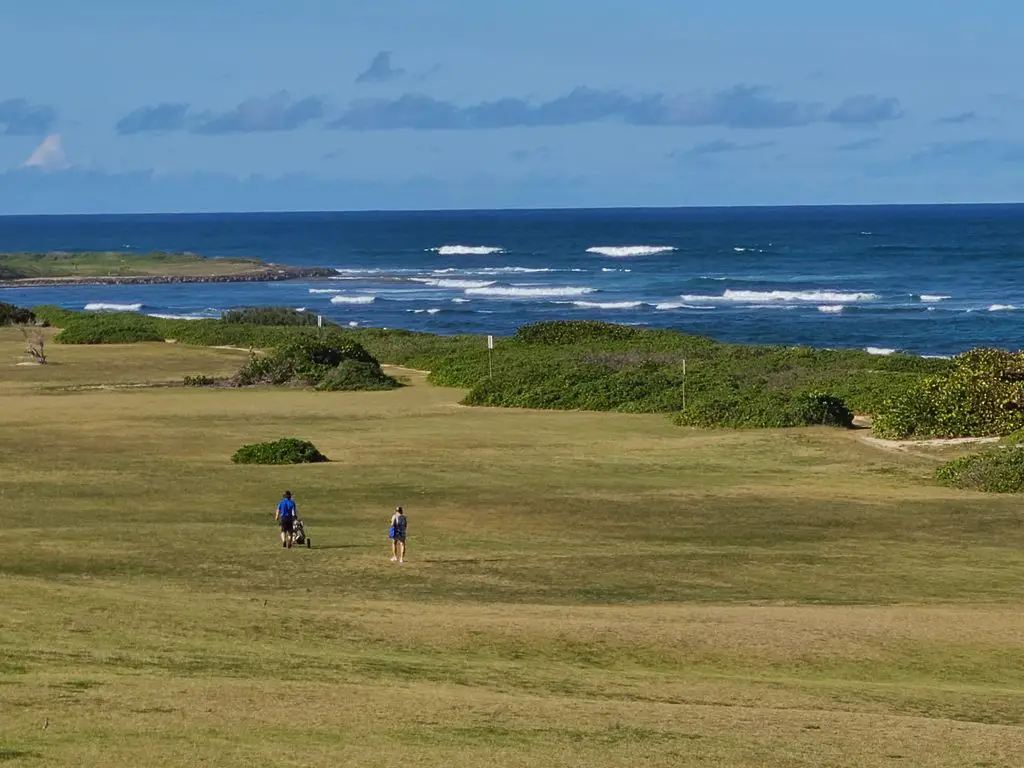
(999, 469)
(270, 316)
(12, 315)
(580, 365)
(287, 450)
(981, 395)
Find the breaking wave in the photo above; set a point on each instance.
(460, 284)
(669, 305)
(608, 304)
(831, 309)
(353, 299)
(325, 290)
(98, 306)
(466, 250)
(432, 311)
(761, 297)
(884, 351)
(928, 298)
(524, 292)
(1001, 308)
(623, 251)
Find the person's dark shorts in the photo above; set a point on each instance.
(287, 524)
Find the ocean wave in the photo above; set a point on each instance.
(670, 305)
(460, 301)
(528, 292)
(466, 250)
(460, 284)
(623, 251)
(353, 299)
(608, 304)
(432, 311)
(612, 269)
(99, 306)
(831, 309)
(325, 290)
(518, 270)
(884, 351)
(760, 297)
(929, 298)
(1002, 308)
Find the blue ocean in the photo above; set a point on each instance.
(932, 280)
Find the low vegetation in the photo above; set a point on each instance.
(999, 469)
(981, 394)
(581, 366)
(287, 450)
(269, 316)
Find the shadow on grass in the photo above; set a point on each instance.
(16, 754)
(342, 546)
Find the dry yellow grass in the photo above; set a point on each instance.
(582, 589)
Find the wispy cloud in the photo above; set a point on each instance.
(161, 117)
(739, 107)
(866, 110)
(278, 112)
(860, 146)
(380, 70)
(960, 119)
(722, 147)
(18, 117)
(973, 150)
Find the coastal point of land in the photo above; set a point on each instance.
(119, 268)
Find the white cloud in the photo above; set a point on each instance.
(48, 156)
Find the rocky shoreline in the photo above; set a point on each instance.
(269, 274)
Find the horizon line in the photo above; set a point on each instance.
(518, 209)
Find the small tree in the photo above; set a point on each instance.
(35, 344)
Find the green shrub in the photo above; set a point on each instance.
(12, 315)
(270, 316)
(746, 409)
(356, 375)
(573, 332)
(982, 395)
(1014, 438)
(996, 470)
(315, 362)
(116, 328)
(199, 381)
(288, 450)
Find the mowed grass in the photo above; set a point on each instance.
(581, 589)
(108, 263)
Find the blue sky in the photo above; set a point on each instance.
(123, 106)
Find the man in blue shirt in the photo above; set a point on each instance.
(285, 517)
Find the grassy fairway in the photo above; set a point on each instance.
(582, 589)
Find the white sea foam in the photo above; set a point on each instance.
(528, 292)
(422, 311)
(884, 351)
(937, 357)
(162, 316)
(519, 270)
(99, 306)
(762, 297)
(832, 309)
(353, 299)
(612, 269)
(929, 298)
(670, 305)
(325, 290)
(460, 301)
(459, 284)
(623, 251)
(608, 304)
(466, 250)
(1001, 308)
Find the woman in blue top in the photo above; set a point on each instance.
(397, 535)
(285, 517)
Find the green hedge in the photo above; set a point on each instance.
(999, 469)
(981, 395)
(270, 316)
(288, 450)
